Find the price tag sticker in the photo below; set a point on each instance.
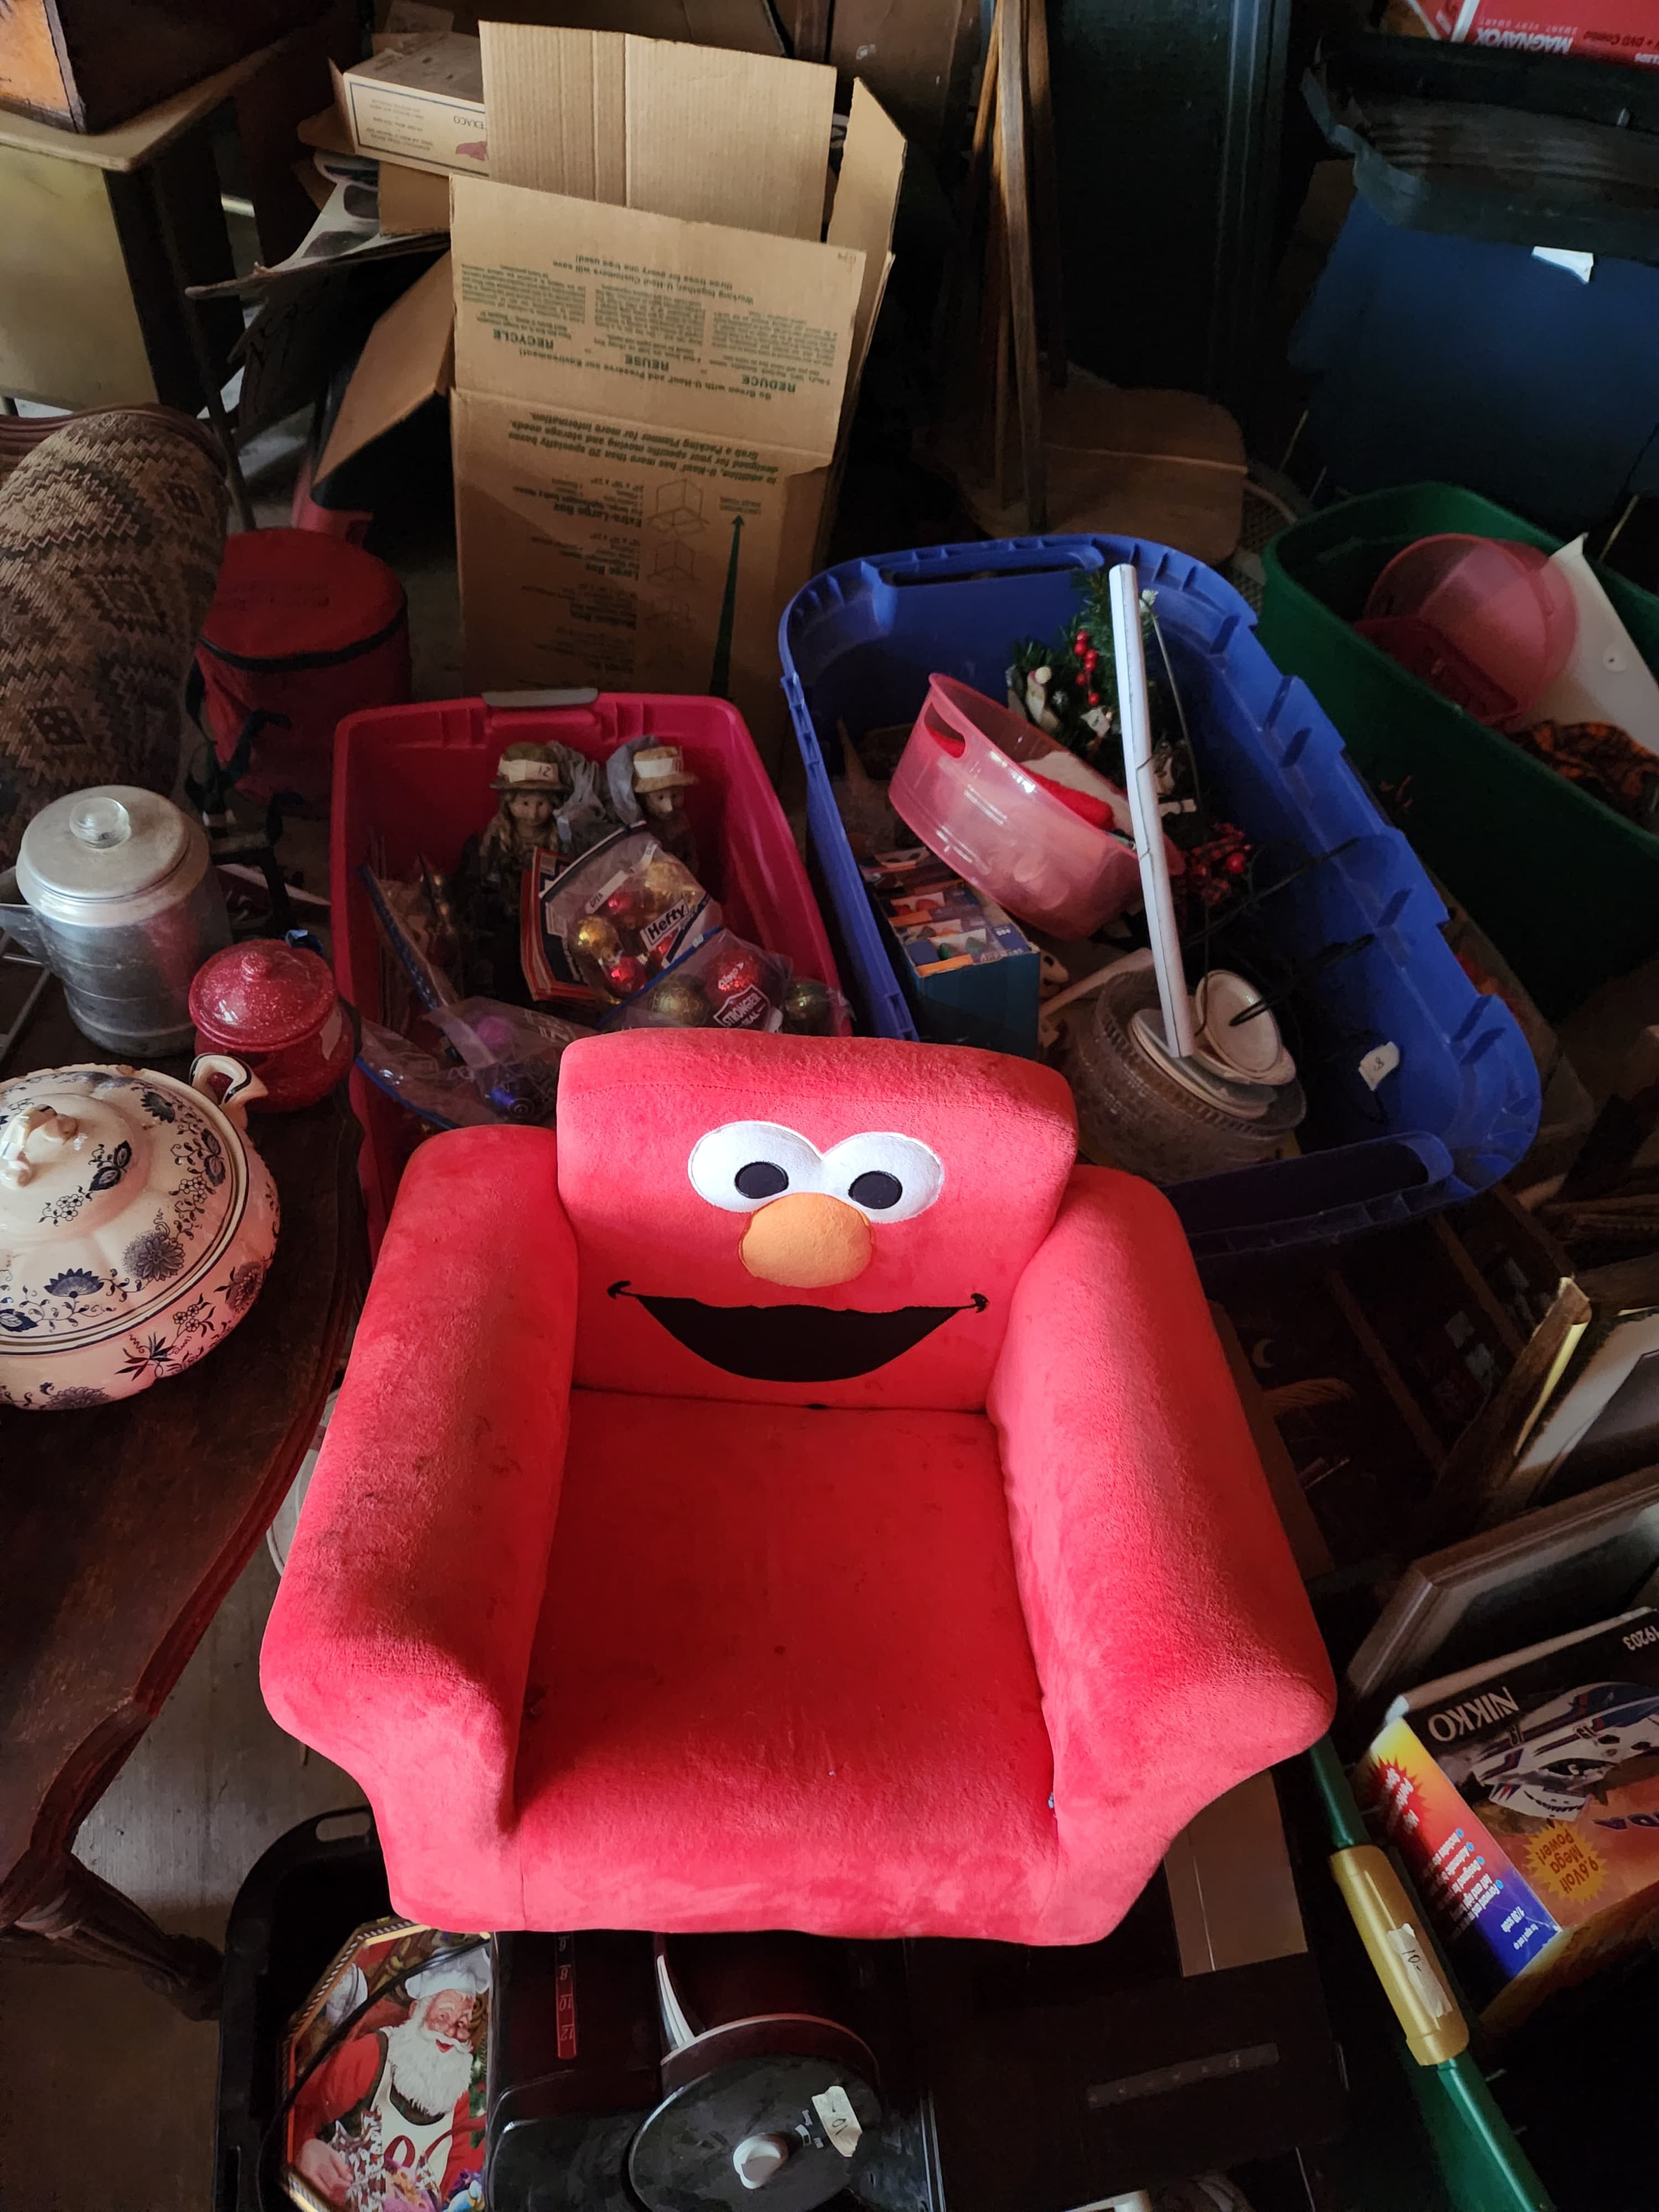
(1419, 1971)
(840, 2123)
(1381, 1061)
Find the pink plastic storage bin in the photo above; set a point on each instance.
(1486, 622)
(413, 781)
(992, 821)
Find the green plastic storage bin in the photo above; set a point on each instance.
(1421, 2138)
(1568, 889)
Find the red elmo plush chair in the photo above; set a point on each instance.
(797, 1495)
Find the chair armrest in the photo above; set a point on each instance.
(1174, 1643)
(399, 1643)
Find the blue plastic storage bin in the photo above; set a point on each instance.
(858, 645)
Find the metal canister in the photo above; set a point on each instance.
(119, 900)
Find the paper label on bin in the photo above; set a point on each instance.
(840, 2123)
(1408, 1946)
(1380, 1061)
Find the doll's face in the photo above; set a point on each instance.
(661, 802)
(531, 810)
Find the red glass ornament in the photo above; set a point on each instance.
(1092, 660)
(625, 975)
(1237, 864)
(1080, 642)
(1094, 698)
(621, 906)
(739, 971)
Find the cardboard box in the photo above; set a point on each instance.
(1523, 1796)
(1598, 30)
(421, 100)
(975, 974)
(647, 409)
(421, 104)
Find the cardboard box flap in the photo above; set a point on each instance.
(406, 362)
(413, 199)
(555, 101)
(692, 131)
(326, 130)
(866, 202)
(637, 318)
(733, 138)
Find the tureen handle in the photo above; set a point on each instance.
(55, 1131)
(244, 1085)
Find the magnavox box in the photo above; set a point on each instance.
(1523, 1796)
(656, 357)
(1598, 30)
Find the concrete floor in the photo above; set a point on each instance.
(106, 2095)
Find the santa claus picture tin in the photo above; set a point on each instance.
(383, 2068)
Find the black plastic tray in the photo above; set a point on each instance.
(296, 1910)
(1521, 149)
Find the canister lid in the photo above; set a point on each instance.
(112, 841)
(262, 995)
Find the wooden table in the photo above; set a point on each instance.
(105, 229)
(123, 1527)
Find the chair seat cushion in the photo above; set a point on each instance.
(782, 1680)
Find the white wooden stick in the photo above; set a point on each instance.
(1135, 721)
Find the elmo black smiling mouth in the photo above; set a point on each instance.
(794, 1344)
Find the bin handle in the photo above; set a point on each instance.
(1014, 557)
(1388, 1923)
(576, 702)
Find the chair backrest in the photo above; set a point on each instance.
(826, 1221)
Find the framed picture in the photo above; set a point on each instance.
(386, 2066)
(1607, 1361)
(1543, 1575)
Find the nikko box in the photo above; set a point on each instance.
(1523, 1796)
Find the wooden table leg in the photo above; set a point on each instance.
(92, 1923)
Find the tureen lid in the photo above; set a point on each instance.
(111, 842)
(261, 994)
(119, 1189)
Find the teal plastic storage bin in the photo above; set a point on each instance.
(1420, 2138)
(1567, 889)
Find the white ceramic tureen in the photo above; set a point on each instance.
(136, 1223)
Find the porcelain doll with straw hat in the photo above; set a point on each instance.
(660, 781)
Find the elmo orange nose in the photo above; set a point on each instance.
(806, 1241)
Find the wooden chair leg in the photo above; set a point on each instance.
(812, 30)
(90, 1922)
(1045, 183)
(1016, 213)
(954, 332)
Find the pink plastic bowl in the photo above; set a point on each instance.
(1486, 622)
(996, 824)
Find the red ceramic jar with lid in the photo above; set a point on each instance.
(274, 1005)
